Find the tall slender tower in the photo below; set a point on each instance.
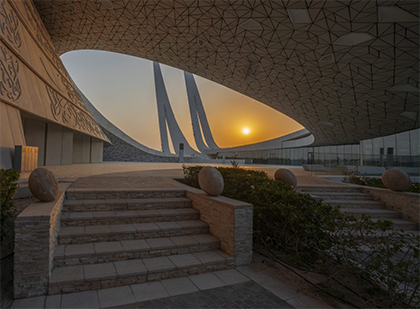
(198, 116)
(167, 120)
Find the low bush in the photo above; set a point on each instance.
(319, 237)
(8, 187)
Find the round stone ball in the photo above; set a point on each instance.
(43, 184)
(211, 181)
(396, 180)
(286, 176)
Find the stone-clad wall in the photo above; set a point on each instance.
(404, 202)
(34, 81)
(123, 151)
(36, 231)
(229, 220)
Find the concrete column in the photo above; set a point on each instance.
(86, 141)
(53, 144)
(77, 148)
(67, 147)
(96, 151)
(11, 134)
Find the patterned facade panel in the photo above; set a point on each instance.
(33, 76)
(301, 69)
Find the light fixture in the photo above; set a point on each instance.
(394, 14)
(108, 4)
(328, 58)
(409, 115)
(201, 42)
(72, 8)
(353, 38)
(299, 16)
(251, 24)
(404, 88)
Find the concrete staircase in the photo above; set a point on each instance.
(122, 237)
(354, 202)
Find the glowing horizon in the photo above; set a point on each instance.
(116, 83)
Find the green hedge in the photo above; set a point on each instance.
(357, 179)
(315, 235)
(8, 187)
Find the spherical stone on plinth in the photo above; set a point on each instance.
(396, 180)
(43, 184)
(286, 176)
(211, 181)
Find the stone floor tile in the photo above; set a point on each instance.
(148, 291)
(231, 276)
(159, 264)
(26, 303)
(168, 212)
(178, 286)
(146, 227)
(122, 228)
(209, 257)
(148, 213)
(207, 281)
(116, 297)
(187, 211)
(160, 243)
(130, 268)
(97, 229)
(100, 271)
(88, 299)
(135, 245)
(108, 247)
(278, 288)
(67, 274)
(184, 260)
(104, 214)
(81, 215)
(165, 226)
(127, 214)
(183, 241)
(72, 230)
(79, 249)
(305, 302)
(192, 224)
(59, 250)
(53, 301)
(225, 255)
(205, 239)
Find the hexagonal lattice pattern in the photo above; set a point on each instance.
(341, 93)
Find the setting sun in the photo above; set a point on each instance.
(246, 130)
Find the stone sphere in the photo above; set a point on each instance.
(211, 181)
(396, 180)
(43, 184)
(286, 176)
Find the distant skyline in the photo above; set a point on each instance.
(121, 87)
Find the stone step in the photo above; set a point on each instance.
(127, 216)
(119, 232)
(402, 224)
(356, 204)
(340, 196)
(113, 251)
(104, 194)
(327, 188)
(127, 204)
(69, 279)
(374, 213)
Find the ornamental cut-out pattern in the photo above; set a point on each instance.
(65, 112)
(9, 84)
(342, 94)
(9, 25)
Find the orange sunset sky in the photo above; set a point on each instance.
(122, 88)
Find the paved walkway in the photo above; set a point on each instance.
(243, 287)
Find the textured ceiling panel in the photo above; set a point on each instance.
(331, 69)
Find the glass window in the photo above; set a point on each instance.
(403, 144)
(378, 146)
(367, 147)
(415, 142)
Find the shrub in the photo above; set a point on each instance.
(8, 187)
(318, 236)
